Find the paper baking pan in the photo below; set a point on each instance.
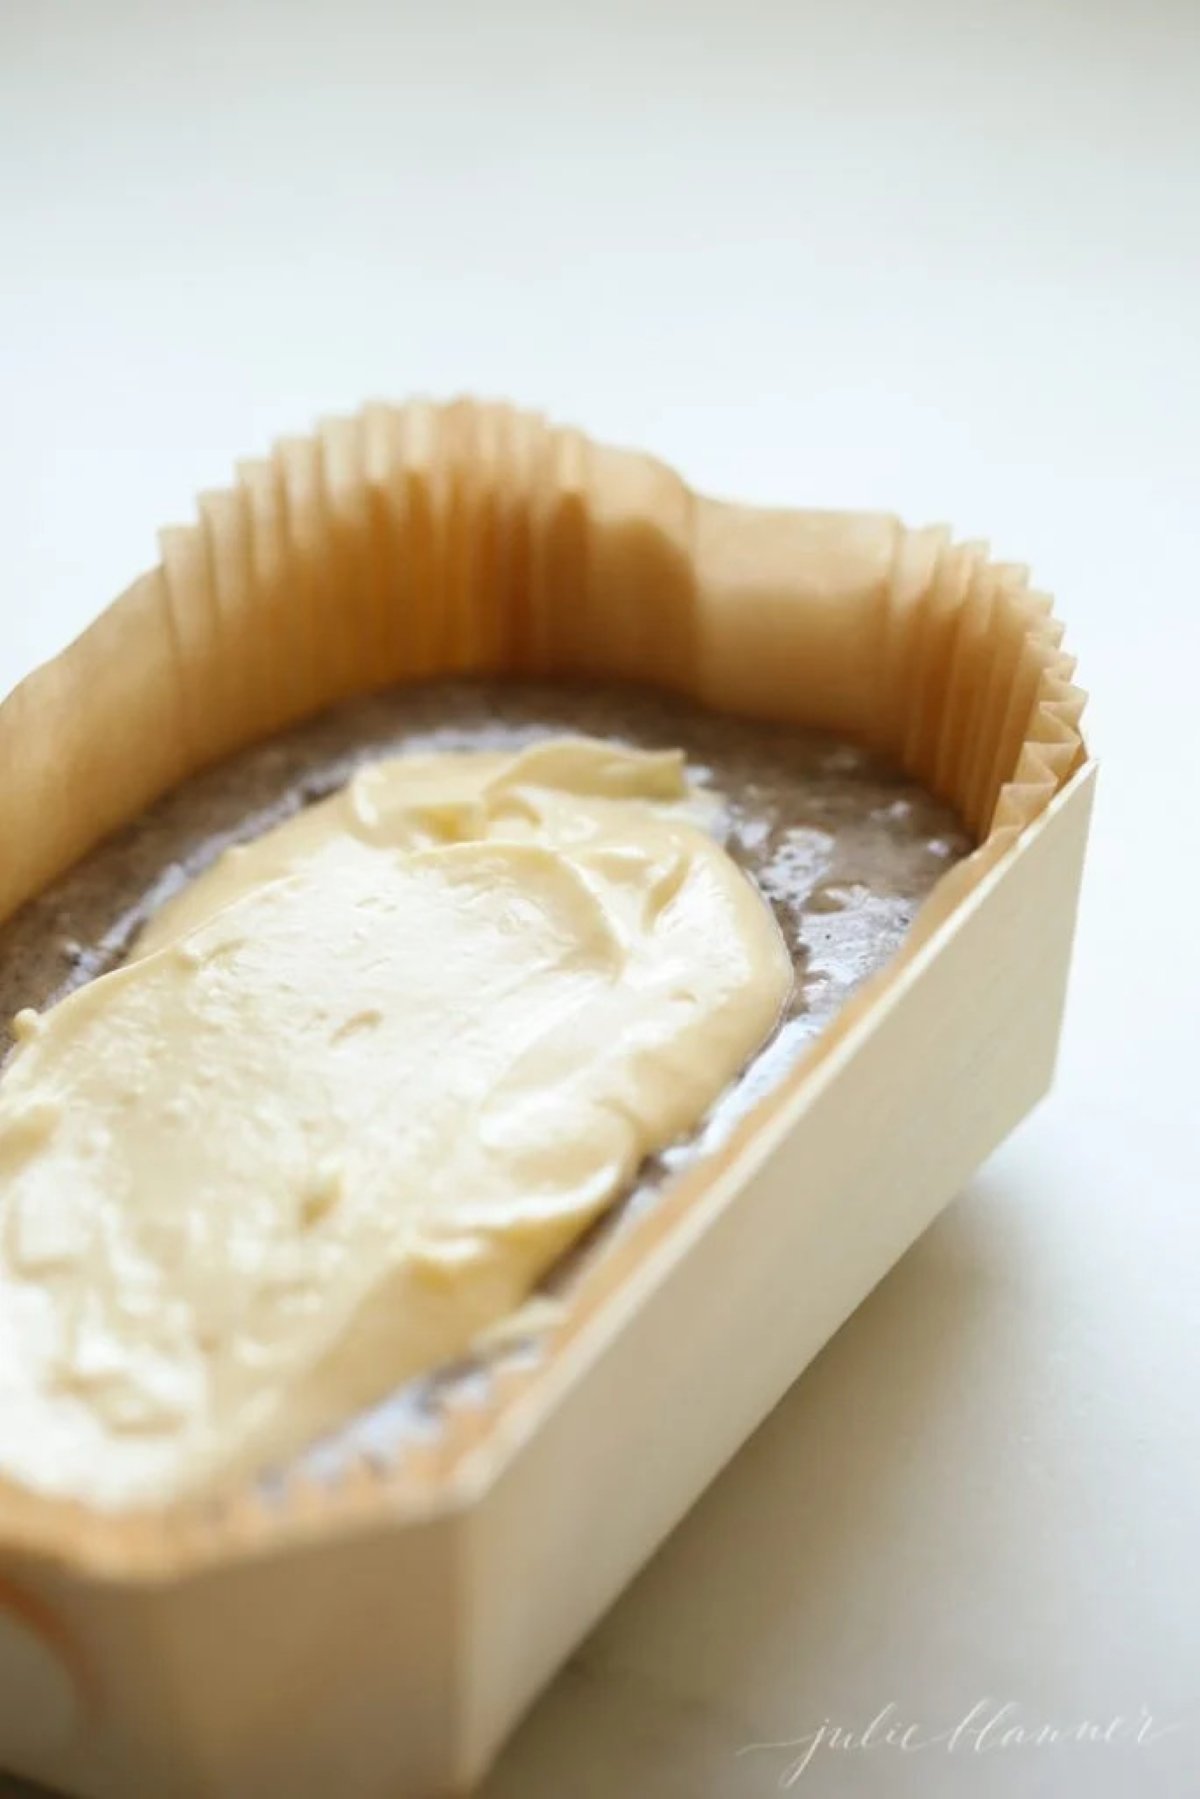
(380, 1634)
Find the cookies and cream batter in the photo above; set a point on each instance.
(353, 1092)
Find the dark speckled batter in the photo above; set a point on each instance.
(843, 847)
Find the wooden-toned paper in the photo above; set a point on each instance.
(432, 540)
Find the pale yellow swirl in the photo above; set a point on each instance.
(359, 1087)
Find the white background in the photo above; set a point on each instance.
(942, 258)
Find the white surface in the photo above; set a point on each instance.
(944, 259)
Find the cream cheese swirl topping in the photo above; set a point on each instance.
(358, 1087)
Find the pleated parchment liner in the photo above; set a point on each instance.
(432, 540)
